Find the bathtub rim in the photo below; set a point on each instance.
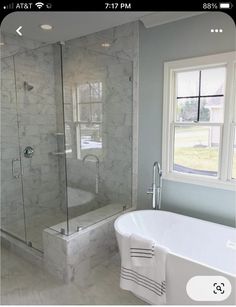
(165, 211)
(169, 251)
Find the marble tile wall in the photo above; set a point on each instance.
(14, 44)
(84, 59)
(28, 118)
(73, 258)
(37, 125)
(11, 188)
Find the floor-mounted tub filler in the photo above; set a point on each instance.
(175, 252)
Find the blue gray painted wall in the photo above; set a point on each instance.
(178, 40)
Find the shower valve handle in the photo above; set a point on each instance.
(28, 152)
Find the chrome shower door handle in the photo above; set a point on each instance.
(15, 173)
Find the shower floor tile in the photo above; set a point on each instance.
(23, 283)
(35, 224)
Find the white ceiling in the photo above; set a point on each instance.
(68, 25)
(156, 19)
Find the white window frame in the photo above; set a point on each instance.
(224, 180)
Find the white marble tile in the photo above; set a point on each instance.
(23, 283)
(35, 113)
(72, 258)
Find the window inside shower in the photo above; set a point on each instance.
(84, 120)
(98, 110)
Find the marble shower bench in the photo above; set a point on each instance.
(72, 258)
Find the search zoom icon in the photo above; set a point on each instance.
(208, 288)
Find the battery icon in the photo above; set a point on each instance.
(225, 5)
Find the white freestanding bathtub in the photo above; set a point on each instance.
(196, 248)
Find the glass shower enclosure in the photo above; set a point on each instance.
(32, 194)
(66, 139)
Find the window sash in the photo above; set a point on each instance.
(176, 125)
(224, 179)
(199, 96)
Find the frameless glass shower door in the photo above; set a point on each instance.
(38, 98)
(12, 205)
(33, 152)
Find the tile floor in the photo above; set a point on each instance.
(23, 283)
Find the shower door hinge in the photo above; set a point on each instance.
(79, 228)
(29, 243)
(62, 231)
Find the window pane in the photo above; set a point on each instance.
(234, 157)
(196, 150)
(91, 140)
(96, 91)
(186, 110)
(90, 112)
(213, 81)
(212, 109)
(187, 83)
(84, 112)
(83, 93)
(97, 112)
(90, 92)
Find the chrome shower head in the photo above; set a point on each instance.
(27, 86)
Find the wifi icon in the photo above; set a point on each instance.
(39, 5)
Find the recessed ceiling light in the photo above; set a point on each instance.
(2, 44)
(46, 27)
(106, 45)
